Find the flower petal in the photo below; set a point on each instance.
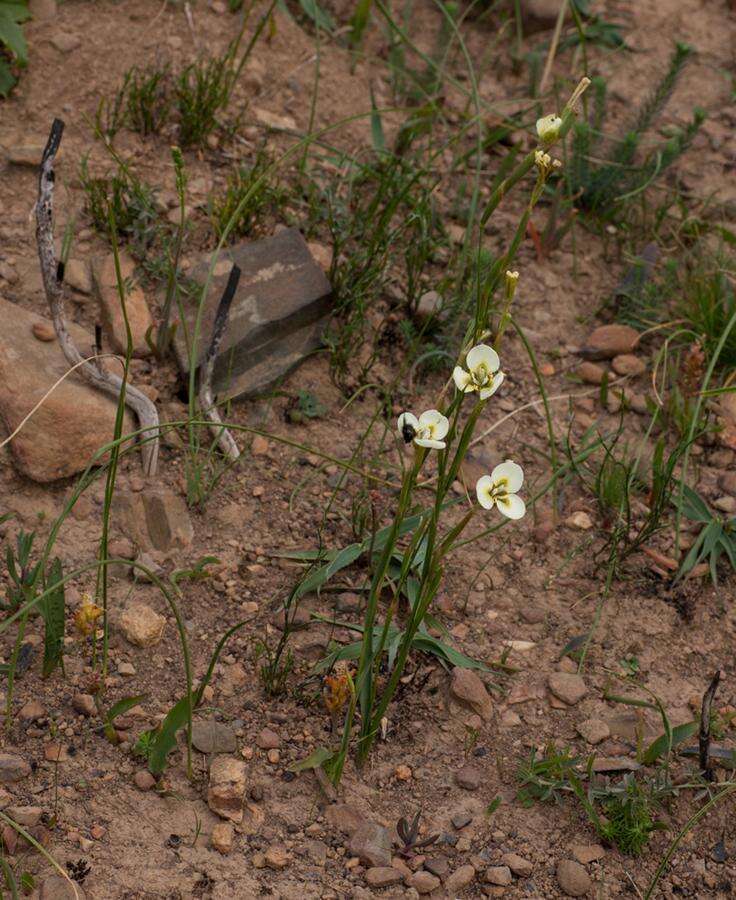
(463, 380)
(511, 473)
(483, 487)
(511, 505)
(482, 354)
(407, 418)
(428, 442)
(440, 424)
(490, 391)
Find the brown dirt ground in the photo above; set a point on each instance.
(508, 585)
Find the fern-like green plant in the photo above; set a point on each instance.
(600, 187)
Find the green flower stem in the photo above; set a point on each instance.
(365, 665)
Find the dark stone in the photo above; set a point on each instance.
(276, 318)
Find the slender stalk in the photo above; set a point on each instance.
(115, 452)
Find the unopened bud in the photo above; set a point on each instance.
(548, 128)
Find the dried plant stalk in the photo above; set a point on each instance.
(53, 277)
(205, 396)
(704, 736)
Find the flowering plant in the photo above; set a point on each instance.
(443, 434)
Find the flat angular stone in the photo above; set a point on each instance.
(209, 736)
(383, 876)
(467, 688)
(155, 519)
(276, 318)
(13, 768)
(567, 687)
(72, 423)
(371, 843)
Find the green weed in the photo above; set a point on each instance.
(202, 91)
(131, 201)
(716, 540)
(148, 99)
(249, 193)
(602, 188)
(707, 301)
(629, 818)
(626, 816)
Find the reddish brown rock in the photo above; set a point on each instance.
(74, 420)
(467, 688)
(572, 878)
(383, 876)
(111, 307)
(628, 364)
(608, 341)
(371, 843)
(591, 373)
(567, 687)
(222, 837)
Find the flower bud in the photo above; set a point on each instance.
(548, 128)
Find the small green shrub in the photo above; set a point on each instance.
(262, 194)
(604, 172)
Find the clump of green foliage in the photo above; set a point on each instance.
(149, 99)
(628, 808)
(131, 201)
(716, 539)
(142, 103)
(249, 193)
(600, 187)
(384, 225)
(707, 301)
(629, 822)
(13, 47)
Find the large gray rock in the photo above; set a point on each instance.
(73, 422)
(276, 319)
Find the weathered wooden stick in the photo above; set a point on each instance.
(205, 397)
(53, 277)
(704, 736)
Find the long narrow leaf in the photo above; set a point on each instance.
(53, 612)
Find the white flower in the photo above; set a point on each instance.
(482, 374)
(548, 128)
(500, 489)
(426, 431)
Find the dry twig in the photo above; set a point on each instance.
(704, 736)
(53, 277)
